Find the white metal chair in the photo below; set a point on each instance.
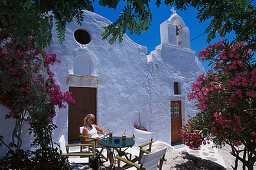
(147, 162)
(143, 143)
(74, 150)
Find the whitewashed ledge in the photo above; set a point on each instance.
(83, 81)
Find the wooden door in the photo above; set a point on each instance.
(86, 102)
(176, 120)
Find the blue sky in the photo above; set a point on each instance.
(151, 38)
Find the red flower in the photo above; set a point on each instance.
(253, 134)
(204, 142)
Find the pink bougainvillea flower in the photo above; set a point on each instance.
(253, 134)
(204, 142)
(237, 143)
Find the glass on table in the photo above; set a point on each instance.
(124, 138)
(110, 134)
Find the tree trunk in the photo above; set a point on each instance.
(16, 134)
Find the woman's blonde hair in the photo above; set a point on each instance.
(89, 116)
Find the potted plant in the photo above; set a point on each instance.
(139, 126)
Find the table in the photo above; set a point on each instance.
(112, 143)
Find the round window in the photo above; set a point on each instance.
(82, 36)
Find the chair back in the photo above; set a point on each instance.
(141, 137)
(150, 161)
(62, 144)
(81, 130)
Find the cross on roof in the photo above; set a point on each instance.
(173, 10)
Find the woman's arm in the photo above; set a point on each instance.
(85, 133)
(99, 129)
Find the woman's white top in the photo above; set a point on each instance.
(92, 132)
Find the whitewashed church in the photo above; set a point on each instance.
(117, 82)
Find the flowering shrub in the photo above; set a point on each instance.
(227, 99)
(190, 136)
(28, 89)
(139, 127)
(26, 71)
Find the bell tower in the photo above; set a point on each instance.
(174, 32)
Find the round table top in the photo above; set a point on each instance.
(116, 142)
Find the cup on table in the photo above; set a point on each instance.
(110, 136)
(124, 138)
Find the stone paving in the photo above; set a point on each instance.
(208, 157)
(207, 151)
(181, 157)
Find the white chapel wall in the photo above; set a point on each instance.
(83, 64)
(176, 63)
(130, 84)
(121, 68)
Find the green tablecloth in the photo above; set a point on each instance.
(116, 142)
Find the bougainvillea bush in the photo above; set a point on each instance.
(28, 89)
(227, 99)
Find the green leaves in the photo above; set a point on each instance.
(135, 17)
(225, 16)
(109, 3)
(31, 18)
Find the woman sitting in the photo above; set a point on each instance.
(91, 130)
